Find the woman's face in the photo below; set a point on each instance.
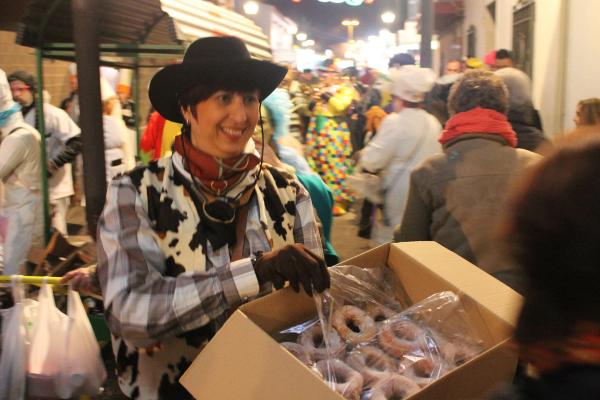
(224, 122)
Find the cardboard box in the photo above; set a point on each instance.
(242, 361)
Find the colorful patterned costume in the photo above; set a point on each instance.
(328, 146)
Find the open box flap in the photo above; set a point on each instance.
(497, 303)
(243, 362)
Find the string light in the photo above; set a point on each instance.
(251, 7)
(353, 3)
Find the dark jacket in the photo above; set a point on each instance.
(529, 136)
(570, 383)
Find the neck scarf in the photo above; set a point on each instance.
(581, 348)
(226, 179)
(217, 176)
(479, 120)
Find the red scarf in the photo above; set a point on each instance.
(218, 175)
(479, 120)
(583, 347)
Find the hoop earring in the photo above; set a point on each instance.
(185, 129)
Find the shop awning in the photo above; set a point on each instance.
(135, 32)
(195, 19)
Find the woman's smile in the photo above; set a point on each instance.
(223, 123)
(233, 134)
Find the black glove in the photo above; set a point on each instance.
(296, 264)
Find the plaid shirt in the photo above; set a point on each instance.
(144, 306)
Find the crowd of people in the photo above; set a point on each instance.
(244, 165)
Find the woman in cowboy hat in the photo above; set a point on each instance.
(186, 239)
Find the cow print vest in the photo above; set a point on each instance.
(168, 198)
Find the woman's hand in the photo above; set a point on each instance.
(293, 263)
(81, 279)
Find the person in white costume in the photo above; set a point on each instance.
(115, 133)
(20, 173)
(406, 137)
(63, 143)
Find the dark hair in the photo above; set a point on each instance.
(553, 233)
(198, 93)
(589, 111)
(478, 88)
(503, 54)
(401, 59)
(24, 77)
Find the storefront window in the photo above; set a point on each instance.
(523, 26)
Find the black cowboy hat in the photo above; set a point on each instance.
(212, 60)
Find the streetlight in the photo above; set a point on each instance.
(308, 43)
(388, 17)
(251, 7)
(301, 37)
(350, 24)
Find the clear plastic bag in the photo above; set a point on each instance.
(13, 361)
(366, 185)
(366, 287)
(82, 370)
(3, 236)
(45, 355)
(365, 347)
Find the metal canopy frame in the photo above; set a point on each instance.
(119, 55)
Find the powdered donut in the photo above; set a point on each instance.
(298, 351)
(313, 341)
(347, 382)
(394, 387)
(372, 363)
(400, 336)
(380, 313)
(425, 370)
(457, 353)
(354, 325)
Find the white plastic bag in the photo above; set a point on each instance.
(45, 352)
(366, 185)
(82, 369)
(13, 362)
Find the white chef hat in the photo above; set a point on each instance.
(125, 77)
(411, 83)
(106, 90)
